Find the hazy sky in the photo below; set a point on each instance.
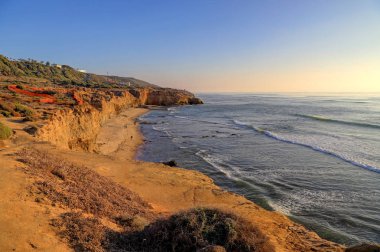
(234, 45)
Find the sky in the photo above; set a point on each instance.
(204, 45)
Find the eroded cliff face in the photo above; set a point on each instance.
(77, 128)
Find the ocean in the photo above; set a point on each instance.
(315, 158)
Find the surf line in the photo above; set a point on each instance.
(315, 148)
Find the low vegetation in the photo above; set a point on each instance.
(82, 233)
(8, 109)
(186, 231)
(5, 132)
(78, 187)
(93, 201)
(23, 110)
(196, 229)
(64, 75)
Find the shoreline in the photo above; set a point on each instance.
(225, 195)
(167, 189)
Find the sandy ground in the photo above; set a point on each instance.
(167, 189)
(24, 224)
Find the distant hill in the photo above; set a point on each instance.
(131, 80)
(64, 75)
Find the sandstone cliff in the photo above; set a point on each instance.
(77, 128)
(164, 96)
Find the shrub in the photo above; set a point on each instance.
(192, 230)
(24, 110)
(5, 132)
(83, 233)
(5, 113)
(195, 229)
(7, 107)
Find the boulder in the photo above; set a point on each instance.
(171, 163)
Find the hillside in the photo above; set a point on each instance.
(64, 74)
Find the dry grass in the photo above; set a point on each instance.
(83, 234)
(78, 187)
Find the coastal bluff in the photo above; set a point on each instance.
(77, 128)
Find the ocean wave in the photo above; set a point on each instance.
(181, 117)
(172, 110)
(217, 163)
(203, 121)
(315, 148)
(161, 129)
(351, 123)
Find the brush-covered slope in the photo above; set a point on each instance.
(64, 74)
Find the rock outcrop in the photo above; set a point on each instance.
(164, 96)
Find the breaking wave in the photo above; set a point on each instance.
(315, 148)
(351, 123)
(217, 163)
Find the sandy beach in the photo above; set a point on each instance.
(166, 189)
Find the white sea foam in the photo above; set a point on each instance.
(161, 129)
(172, 110)
(331, 120)
(218, 163)
(181, 117)
(310, 146)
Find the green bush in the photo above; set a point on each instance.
(5, 132)
(5, 113)
(6, 106)
(26, 111)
